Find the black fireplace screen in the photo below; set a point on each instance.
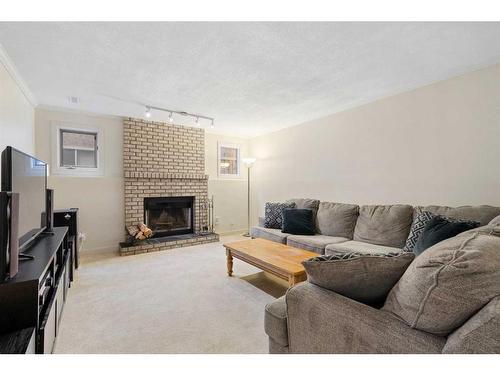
(168, 216)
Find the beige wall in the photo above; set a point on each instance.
(230, 195)
(100, 199)
(437, 144)
(16, 115)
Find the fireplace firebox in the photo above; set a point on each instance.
(169, 216)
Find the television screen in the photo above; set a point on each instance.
(26, 175)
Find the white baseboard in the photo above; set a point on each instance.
(101, 250)
(233, 232)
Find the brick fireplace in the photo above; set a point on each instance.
(165, 163)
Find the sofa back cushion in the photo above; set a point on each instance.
(449, 282)
(337, 219)
(384, 225)
(305, 203)
(483, 214)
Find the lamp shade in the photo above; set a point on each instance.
(248, 161)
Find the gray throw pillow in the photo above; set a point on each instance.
(416, 229)
(366, 278)
(449, 282)
(274, 214)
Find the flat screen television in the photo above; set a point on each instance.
(26, 175)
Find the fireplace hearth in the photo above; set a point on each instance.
(169, 216)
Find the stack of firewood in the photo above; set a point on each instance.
(140, 231)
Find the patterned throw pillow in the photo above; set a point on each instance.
(274, 214)
(416, 230)
(366, 278)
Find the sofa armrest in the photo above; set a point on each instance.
(480, 334)
(321, 321)
(275, 321)
(261, 221)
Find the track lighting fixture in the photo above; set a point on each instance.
(197, 117)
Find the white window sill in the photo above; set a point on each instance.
(77, 172)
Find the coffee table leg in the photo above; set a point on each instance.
(229, 262)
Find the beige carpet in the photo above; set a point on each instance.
(176, 301)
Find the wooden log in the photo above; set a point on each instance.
(145, 230)
(133, 230)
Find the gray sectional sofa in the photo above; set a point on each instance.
(312, 319)
(365, 229)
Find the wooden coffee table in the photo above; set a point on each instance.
(280, 260)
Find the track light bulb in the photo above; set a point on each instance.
(147, 114)
(197, 122)
(170, 118)
(212, 124)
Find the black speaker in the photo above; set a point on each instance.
(49, 210)
(9, 234)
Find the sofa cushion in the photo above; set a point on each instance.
(298, 221)
(337, 219)
(440, 228)
(316, 243)
(416, 229)
(384, 225)
(270, 234)
(365, 278)
(449, 282)
(359, 247)
(274, 214)
(483, 214)
(307, 203)
(275, 321)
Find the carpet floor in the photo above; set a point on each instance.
(175, 301)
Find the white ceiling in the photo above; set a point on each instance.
(252, 77)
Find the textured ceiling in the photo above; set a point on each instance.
(252, 77)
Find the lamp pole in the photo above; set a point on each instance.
(248, 162)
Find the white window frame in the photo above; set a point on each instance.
(57, 169)
(219, 154)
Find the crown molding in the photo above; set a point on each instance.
(14, 73)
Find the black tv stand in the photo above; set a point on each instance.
(33, 300)
(23, 256)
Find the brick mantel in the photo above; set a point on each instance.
(163, 160)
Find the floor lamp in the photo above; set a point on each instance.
(248, 163)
